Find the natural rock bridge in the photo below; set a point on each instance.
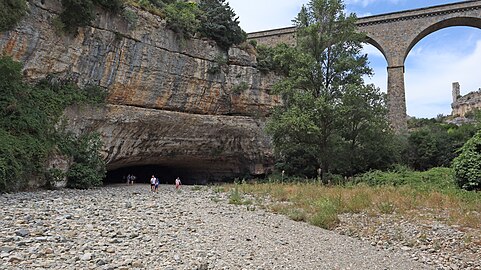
(395, 34)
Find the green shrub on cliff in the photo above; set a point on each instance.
(220, 23)
(79, 13)
(28, 115)
(114, 6)
(182, 18)
(76, 13)
(11, 11)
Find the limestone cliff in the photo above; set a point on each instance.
(166, 106)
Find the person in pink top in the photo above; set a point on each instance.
(177, 183)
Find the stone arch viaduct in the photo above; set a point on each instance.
(395, 34)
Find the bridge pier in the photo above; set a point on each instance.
(395, 34)
(396, 99)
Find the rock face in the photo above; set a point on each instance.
(464, 104)
(171, 102)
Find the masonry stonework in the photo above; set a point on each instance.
(464, 104)
(395, 34)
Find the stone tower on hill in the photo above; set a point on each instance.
(464, 104)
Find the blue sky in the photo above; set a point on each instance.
(443, 57)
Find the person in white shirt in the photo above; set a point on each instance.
(152, 183)
(177, 183)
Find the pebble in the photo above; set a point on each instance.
(128, 227)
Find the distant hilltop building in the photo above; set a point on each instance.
(464, 104)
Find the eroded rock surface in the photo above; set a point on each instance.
(149, 70)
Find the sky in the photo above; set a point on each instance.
(449, 55)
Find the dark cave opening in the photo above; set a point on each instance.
(166, 175)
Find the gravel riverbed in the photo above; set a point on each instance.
(128, 227)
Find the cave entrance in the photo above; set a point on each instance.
(143, 174)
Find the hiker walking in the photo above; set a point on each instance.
(177, 183)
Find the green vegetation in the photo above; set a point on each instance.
(76, 13)
(433, 143)
(11, 11)
(275, 59)
(220, 61)
(213, 19)
(330, 119)
(467, 166)
(219, 22)
(182, 18)
(405, 193)
(29, 115)
(239, 88)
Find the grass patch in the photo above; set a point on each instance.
(196, 188)
(420, 195)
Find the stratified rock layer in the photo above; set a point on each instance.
(171, 101)
(202, 147)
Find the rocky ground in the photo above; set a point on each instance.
(128, 227)
(429, 241)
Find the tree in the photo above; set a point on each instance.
(11, 11)
(182, 18)
(328, 115)
(365, 131)
(220, 23)
(76, 13)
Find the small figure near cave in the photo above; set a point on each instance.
(157, 182)
(177, 183)
(152, 183)
(132, 179)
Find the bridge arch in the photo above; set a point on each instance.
(395, 34)
(374, 43)
(457, 21)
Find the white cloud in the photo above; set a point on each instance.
(266, 14)
(429, 82)
(365, 3)
(429, 76)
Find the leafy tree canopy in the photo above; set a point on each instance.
(467, 166)
(28, 133)
(330, 119)
(220, 23)
(11, 11)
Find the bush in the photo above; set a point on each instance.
(182, 18)
(114, 6)
(433, 179)
(28, 132)
(88, 169)
(467, 166)
(80, 13)
(275, 59)
(82, 176)
(326, 214)
(76, 13)
(11, 11)
(219, 23)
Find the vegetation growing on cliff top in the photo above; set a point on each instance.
(11, 11)
(213, 19)
(28, 115)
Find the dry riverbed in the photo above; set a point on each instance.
(128, 227)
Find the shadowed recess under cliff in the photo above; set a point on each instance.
(166, 175)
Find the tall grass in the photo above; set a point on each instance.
(410, 194)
